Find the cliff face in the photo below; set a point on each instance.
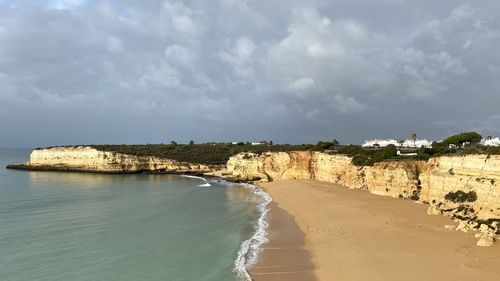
(396, 179)
(88, 159)
(419, 180)
(478, 173)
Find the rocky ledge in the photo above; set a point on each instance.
(87, 159)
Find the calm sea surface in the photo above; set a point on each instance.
(73, 226)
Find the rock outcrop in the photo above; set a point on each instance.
(87, 159)
(478, 173)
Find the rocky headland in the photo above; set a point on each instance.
(88, 159)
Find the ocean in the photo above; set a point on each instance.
(77, 226)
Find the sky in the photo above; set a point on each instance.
(291, 71)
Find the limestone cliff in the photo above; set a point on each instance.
(478, 173)
(419, 180)
(87, 159)
(396, 179)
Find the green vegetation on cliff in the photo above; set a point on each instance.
(209, 153)
(461, 197)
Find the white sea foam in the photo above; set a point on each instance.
(251, 248)
(206, 184)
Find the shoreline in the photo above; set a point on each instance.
(250, 249)
(327, 259)
(356, 235)
(283, 257)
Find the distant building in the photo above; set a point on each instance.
(491, 141)
(405, 143)
(380, 143)
(406, 153)
(259, 143)
(416, 144)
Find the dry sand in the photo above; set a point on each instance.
(355, 235)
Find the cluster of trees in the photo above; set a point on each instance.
(460, 144)
(471, 138)
(368, 157)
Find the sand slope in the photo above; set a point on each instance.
(355, 235)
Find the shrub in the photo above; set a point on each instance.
(360, 160)
(422, 155)
(461, 197)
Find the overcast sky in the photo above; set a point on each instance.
(292, 71)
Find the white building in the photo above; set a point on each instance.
(491, 142)
(406, 143)
(380, 143)
(417, 143)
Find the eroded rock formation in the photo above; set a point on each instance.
(87, 159)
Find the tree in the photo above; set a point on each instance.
(466, 137)
(191, 142)
(414, 138)
(174, 143)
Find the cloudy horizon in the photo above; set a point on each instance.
(89, 72)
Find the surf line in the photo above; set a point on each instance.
(206, 184)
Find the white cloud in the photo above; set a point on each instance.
(303, 84)
(180, 55)
(240, 57)
(348, 104)
(181, 21)
(114, 44)
(65, 4)
(467, 44)
(423, 75)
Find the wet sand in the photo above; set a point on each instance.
(284, 257)
(355, 235)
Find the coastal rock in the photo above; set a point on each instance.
(466, 226)
(87, 159)
(433, 210)
(449, 226)
(486, 241)
(478, 173)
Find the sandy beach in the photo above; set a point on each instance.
(322, 231)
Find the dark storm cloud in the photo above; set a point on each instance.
(76, 71)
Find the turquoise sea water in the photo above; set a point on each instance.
(75, 226)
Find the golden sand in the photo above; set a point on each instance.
(342, 235)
